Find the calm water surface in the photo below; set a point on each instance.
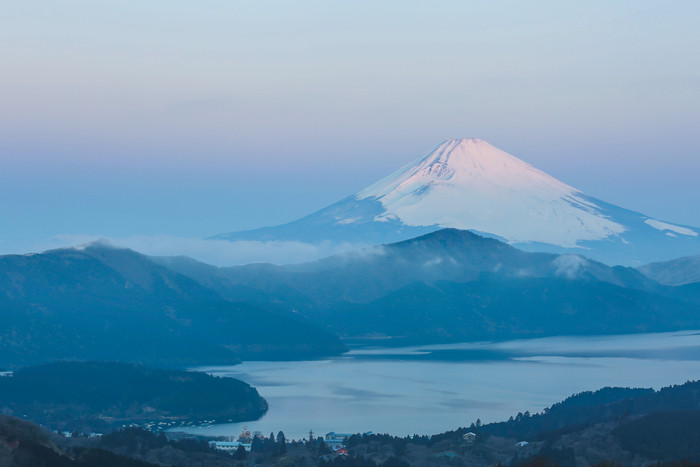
(430, 389)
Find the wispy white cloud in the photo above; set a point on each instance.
(216, 252)
(569, 266)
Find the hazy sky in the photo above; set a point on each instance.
(190, 119)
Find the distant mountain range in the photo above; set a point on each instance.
(680, 271)
(470, 185)
(102, 303)
(455, 285)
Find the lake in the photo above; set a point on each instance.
(431, 389)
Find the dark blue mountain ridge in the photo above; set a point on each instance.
(456, 285)
(103, 303)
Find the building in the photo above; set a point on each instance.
(334, 439)
(229, 446)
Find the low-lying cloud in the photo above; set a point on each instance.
(216, 252)
(569, 266)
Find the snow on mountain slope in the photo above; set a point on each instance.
(469, 184)
(663, 226)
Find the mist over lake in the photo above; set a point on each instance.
(430, 389)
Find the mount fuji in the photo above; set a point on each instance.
(471, 185)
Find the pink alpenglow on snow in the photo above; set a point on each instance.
(469, 184)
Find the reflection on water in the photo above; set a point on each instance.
(430, 389)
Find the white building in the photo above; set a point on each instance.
(334, 439)
(229, 446)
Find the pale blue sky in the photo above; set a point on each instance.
(196, 118)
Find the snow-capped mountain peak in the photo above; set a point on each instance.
(470, 184)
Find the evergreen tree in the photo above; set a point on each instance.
(399, 446)
(281, 443)
(240, 453)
